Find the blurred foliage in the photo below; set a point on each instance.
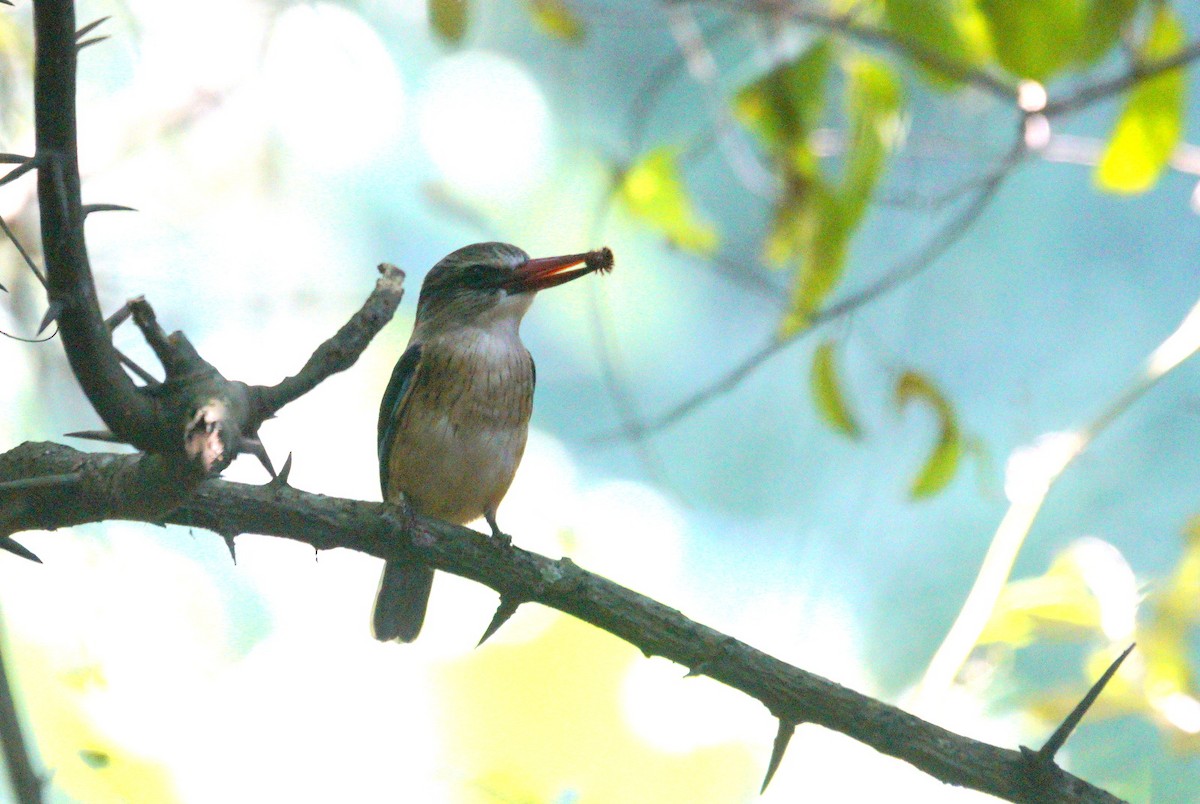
(942, 464)
(1151, 123)
(569, 679)
(448, 19)
(556, 19)
(828, 394)
(653, 192)
(1089, 595)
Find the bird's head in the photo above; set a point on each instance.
(488, 282)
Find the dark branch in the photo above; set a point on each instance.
(339, 352)
(26, 783)
(87, 341)
(117, 487)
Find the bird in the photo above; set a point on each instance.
(454, 418)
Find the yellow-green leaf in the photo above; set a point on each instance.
(1034, 38)
(874, 97)
(1103, 22)
(953, 29)
(816, 228)
(1151, 123)
(448, 18)
(95, 759)
(785, 105)
(814, 220)
(653, 191)
(943, 461)
(828, 396)
(555, 18)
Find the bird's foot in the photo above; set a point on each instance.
(503, 538)
(399, 512)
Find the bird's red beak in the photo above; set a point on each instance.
(546, 272)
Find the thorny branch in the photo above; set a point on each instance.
(109, 486)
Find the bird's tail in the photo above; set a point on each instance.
(401, 601)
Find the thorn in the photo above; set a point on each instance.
(699, 670)
(19, 171)
(13, 547)
(86, 42)
(13, 159)
(24, 254)
(146, 377)
(91, 26)
(97, 435)
(88, 209)
(1046, 754)
(254, 446)
(229, 537)
(6, 2)
(506, 609)
(281, 479)
(782, 738)
(52, 313)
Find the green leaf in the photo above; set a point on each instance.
(828, 396)
(875, 97)
(1151, 123)
(555, 18)
(653, 191)
(942, 463)
(1035, 38)
(785, 105)
(818, 231)
(95, 759)
(815, 220)
(448, 19)
(1103, 22)
(954, 29)
(1059, 604)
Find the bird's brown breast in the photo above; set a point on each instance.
(463, 425)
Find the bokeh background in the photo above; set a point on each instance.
(276, 152)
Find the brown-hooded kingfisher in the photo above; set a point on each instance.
(455, 415)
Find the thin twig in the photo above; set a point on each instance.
(917, 263)
(1136, 74)
(21, 250)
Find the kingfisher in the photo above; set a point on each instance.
(455, 416)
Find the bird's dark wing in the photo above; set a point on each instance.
(532, 371)
(393, 403)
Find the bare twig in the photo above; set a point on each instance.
(1136, 74)
(113, 485)
(342, 350)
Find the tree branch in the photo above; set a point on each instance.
(112, 487)
(26, 784)
(132, 416)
